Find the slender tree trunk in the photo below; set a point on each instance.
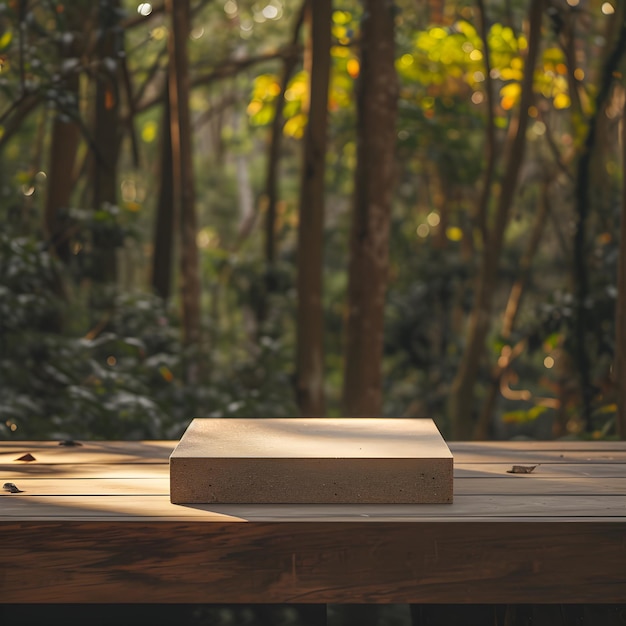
(373, 191)
(483, 426)
(106, 134)
(66, 134)
(183, 178)
(490, 138)
(582, 213)
(462, 408)
(310, 354)
(165, 223)
(271, 179)
(64, 144)
(619, 368)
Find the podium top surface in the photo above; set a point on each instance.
(322, 438)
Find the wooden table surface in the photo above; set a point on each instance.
(93, 524)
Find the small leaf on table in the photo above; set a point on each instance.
(11, 488)
(26, 457)
(521, 469)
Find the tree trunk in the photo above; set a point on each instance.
(582, 195)
(373, 190)
(66, 134)
(619, 369)
(271, 178)
(483, 426)
(183, 179)
(620, 312)
(309, 351)
(165, 223)
(106, 136)
(462, 399)
(490, 135)
(63, 148)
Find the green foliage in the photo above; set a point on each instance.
(120, 381)
(87, 359)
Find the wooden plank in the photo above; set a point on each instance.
(491, 470)
(100, 452)
(522, 446)
(544, 457)
(523, 485)
(146, 469)
(85, 470)
(163, 448)
(122, 485)
(49, 452)
(380, 562)
(23, 505)
(107, 486)
(461, 470)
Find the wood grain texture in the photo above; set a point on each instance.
(464, 452)
(110, 482)
(493, 507)
(94, 524)
(322, 562)
(132, 452)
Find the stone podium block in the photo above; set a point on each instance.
(311, 461)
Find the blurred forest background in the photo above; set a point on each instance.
(268, 208)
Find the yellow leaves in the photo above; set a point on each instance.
(405, 61)
(509, 95)
(553, 55)
(353, 68)
(340, 52)
(263, 86)
(342, 17)
(454, 233)
(159, 33)
(510, 73)
(254, 107)
(5, 40)
(294, 126)
(341, 34)
(507, 103)
(166, 373)
(266, 88)
(561, 68)
(561, 101)
(149, 131)
(437, 33)
(298, 87)
(511, 90)
(467, 29)
(260, 108)
(343, 24)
